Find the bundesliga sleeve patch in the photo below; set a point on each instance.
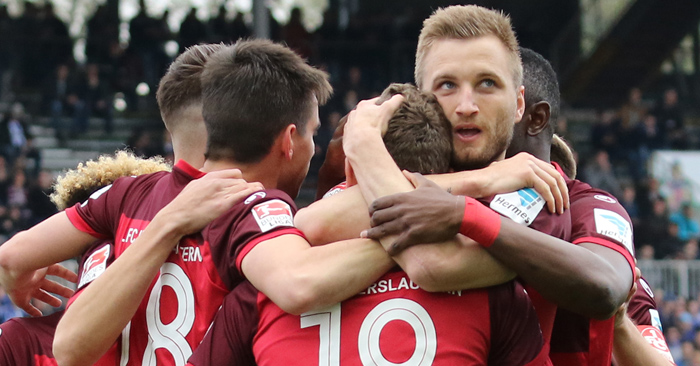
(95, 265)
(272, 214)
(614, 226)
(521, 206)
(335, 190)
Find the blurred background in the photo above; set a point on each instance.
(78, 78)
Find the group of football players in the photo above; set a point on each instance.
(455, 232)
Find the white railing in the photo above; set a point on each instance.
(677, 277)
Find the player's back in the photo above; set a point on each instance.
(396, 321)
(28, 341)
(598, 218)
(182, 300)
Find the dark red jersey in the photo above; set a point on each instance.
(642, 310)
(28, 341)
(183, 299)
(526, 207)
(598, 218)
(392, 321)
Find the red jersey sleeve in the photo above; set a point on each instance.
(599, 218)
(229, 340)
(99, 214)
(642, 307)
(516, 337)
(262, 216)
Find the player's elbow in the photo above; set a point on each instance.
(603, 300)
(424, 277)
(66, 353)
(10, 253)
(314, 229)
(298, 296)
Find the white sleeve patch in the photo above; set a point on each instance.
(614, 226)
(272, 214)
(95, 195)
(94, 266)
(521, 206)
(335, 190)
(656, 319)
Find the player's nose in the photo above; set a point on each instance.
(467, 105)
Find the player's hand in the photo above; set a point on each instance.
(35, 285)
(622, 310)
(426, 215)
(332, 172)
(370, 117)
(207, 198)
(526, 171)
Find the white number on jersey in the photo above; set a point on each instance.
(405, 310)
(170, 337)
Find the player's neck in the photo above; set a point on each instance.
(263, 172)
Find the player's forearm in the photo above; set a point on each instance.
(467, 183)
(458, 264)
(569, 275)
(631, 349)
(318, 277)
(375, 170)
(105, 307)
(340, 217)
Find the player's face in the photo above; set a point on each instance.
(473, 81)
(304, 149)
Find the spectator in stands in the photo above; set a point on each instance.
(671, 121)
(648, 139)
(687, 226)
(645, 252)
(678, 189)
(55, 44)
(671, 246)
(192, 31)
(634, 110)
(599, 174)
(295, 35)
(655, 228)
(673, 340)
(58, 95)
(628, 200)
(96, 100)
(604, 134)
(17, 191)
(15, 139)
(690, 250)
(38, 202)
(649, 191)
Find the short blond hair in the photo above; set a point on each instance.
(465, 22)
(76, 185)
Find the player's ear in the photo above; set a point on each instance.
(286, 141)
(539, 117)
(520, 104)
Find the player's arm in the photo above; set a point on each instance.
(520, 171)
(455, 264)
(630, 348)
(30, 255)
(299, 278)
(96, 318)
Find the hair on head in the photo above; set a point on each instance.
(76, 185)
(466, 22)
(418, 136)
(252, 90)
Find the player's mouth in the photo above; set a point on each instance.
(467, 133)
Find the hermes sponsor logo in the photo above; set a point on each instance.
(522, 206)
(614, 226)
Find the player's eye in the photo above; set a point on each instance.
(447, 85)
(488, 83)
